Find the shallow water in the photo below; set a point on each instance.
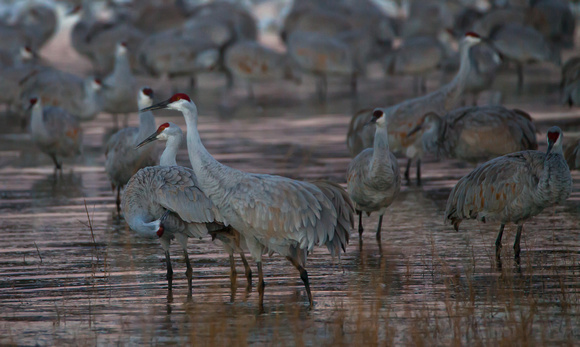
(72, 272)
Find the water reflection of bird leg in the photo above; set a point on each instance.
(233, 277)
(169, 271)
(419, 171)
(188, 272)
(360, 229)
(517, 244)
(261, 286)
(498, 246)
(304, 277)
(248, 272)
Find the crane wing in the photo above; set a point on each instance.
(178, 191)
(494, 187)
(278, 207)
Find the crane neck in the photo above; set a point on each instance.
(37, 120)
(146, 126)
(198, 155)
(381, 154)
(169, 155)
(456, 87)
(122, 66)
(381, 141)
(92, 102)
(146, 229)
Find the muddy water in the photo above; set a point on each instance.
(72, 272)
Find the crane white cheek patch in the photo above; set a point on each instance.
(411, 152)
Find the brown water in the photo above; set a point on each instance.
(63, 281)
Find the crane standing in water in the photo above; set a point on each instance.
(273, 213)
(158, 179)
(512, 188)
(373, 177)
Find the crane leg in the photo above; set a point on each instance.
(408, 169)
(261, 286)
(517, 243)
(233, 273)
(188, 272)
(57, 165)
(169, 271)
(520, 72)
(118, 201)
(379, 234)
(192, 83)
(248, 272)
(360, 227)
(304, 277)
(419, 171)
(498, 243)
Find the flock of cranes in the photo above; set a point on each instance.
(265, 214)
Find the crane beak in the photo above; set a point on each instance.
(158, 106)
(550, 145)
(416, 129)
(151, 138)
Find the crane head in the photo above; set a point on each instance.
(121, 48)
(164, 132)
(33, 101)
(145, 97)
(172, 103)
(554, 136)
(96, 84)
(472, 38)
(378, 117)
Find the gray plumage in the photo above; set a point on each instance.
(282, 215)
(512, 188)
(55, 132)
(486, 62)
(478, 133)
(405, 116)
(572, 154)
(373, 176)
(119, 87)
(570, 82)
(122, 160)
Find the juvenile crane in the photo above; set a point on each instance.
(230, 238)
(403, 117)
(373, 177)
(473, 134)
(121, 159)
(512, 188)
(55, 132)
(276, 213)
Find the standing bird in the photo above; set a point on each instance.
(55, 132)
(119, 87)
(373, 177)
(512, 188)
(121, 159)
(405, 116)
(570, 82)
(572, 154)
(273, 213)
(230, 238)
(471, 133)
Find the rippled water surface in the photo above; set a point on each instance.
(72, 272)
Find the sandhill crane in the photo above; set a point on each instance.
(417, 56)
(276, 213)
(403, 117)
(322, 55)
(471, 133)
(252, 62)
(121, 159)
(512, 188)
(172, 55)
(572, 154)
(55, 132)
(522, 44)
(37, 20)
(486, 62)
(555, 20)
(119, 87)
(373, 177)
(570, 82)
(159, 200)
(81, 98)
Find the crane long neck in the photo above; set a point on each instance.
(92, 101)
(381, 156)
(37, 121)
(168, 158)
(122, 66)
(455, 88)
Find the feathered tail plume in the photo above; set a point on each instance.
(344, 212)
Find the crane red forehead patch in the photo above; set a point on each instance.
(162, 127)
(553, 136)
(378, 114)
(472, 34)
(179, 96)
(148, 92)
(33, 101)
(98, 81)
(124, 44)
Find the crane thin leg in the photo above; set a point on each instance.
(248, 272)
(188, 272)
(118, 201)
(520, 71)
(379, 234)
(498, 242)
(261, 286)
(169, 270)
(419, 171)
(408, 169)
(57, 165)
(304, 277)
(233, 272)
(517, 243)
